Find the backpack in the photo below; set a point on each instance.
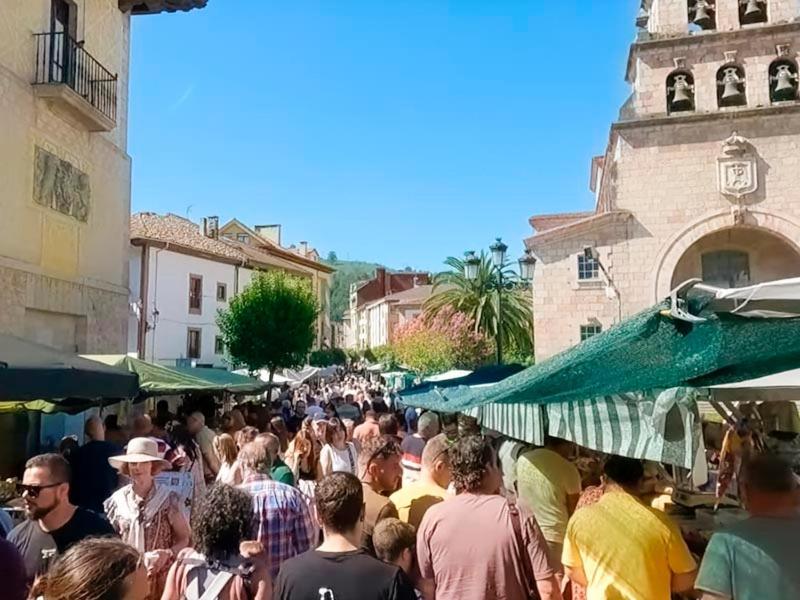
(205, 581)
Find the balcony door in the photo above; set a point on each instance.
(64, 31)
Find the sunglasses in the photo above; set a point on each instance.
(33, 491)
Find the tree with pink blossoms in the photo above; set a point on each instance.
(432, 343)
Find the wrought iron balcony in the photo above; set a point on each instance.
(75, 81)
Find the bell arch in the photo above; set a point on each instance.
(675, 248)
(731, 85)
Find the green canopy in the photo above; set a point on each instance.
(30, 371)
(651, 350)
(230, 382)
(157, 380)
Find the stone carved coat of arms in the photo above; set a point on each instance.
(737, 169)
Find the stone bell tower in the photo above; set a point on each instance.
(699, 178)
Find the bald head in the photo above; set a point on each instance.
(436, 460)
(428, 425)
(94, 429)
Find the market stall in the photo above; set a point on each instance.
(634, 389)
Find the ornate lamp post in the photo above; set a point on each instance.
(499, 284)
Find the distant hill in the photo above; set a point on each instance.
(347, 272)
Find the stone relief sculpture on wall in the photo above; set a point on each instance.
(59, 185)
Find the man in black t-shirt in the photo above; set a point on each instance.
(339, 569)
(53, 524)
(93, 478)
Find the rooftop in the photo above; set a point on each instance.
(172, 229)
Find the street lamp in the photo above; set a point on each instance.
(498, 250)
(471, 265)
(527, 263)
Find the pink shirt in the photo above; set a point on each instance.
(467, 545)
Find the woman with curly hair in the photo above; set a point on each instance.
(95, 569)
(221, 561)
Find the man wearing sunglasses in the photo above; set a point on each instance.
(53, 524)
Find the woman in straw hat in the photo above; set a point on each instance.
(146, 515)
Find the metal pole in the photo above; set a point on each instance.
(499, 341)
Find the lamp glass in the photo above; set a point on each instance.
(498, 250)
(471, 264)
(527, 266)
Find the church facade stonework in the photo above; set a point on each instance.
(690, 186)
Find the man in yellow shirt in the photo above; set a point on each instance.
(550, 485)
(414, 499)
(620, 549)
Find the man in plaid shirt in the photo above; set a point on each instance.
(283, 521)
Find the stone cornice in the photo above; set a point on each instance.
(578, 228)
(722, 115)
(704, 39)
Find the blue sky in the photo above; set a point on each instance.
(397, 131)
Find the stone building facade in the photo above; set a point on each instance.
(699, 178)
(65, 175)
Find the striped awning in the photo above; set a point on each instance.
(661, 426)
(524, 422)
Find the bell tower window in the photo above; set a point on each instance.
(702, 15)
(752, 11)
(783, 80)
(680, 92)
(731, 86)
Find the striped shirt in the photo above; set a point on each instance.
(283, 522)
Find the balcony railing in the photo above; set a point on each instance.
(62, 60)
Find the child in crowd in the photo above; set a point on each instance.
(395, 543)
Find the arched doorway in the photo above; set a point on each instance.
(737, 256)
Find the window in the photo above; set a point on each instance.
(752, 11)
(192, 343)
(726, 268)
(219, 345)
(587, 268)
(591, 330)
(222, 292)
(243, 237)
(195, 294)
(783, 80)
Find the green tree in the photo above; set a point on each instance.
(271, 323)
(332, 258)
(478, 300)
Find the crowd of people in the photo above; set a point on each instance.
(337, 493)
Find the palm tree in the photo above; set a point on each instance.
(478, 298)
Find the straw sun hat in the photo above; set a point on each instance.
(139, 450)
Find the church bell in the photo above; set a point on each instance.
(702, 15)
(752, 12)
(682, 94)
(731, 92)
(785, 83)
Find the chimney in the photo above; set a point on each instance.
(271, 233)
(304, 249)
(211, 227)
(380, 275)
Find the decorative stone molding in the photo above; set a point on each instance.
(679, 62)
(730, 56)
(737, 168)
(782, 50)
(676, 246)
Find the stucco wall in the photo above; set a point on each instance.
(41, 249)
(168, 292)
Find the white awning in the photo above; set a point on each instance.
(773, 299)
(453, 374)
